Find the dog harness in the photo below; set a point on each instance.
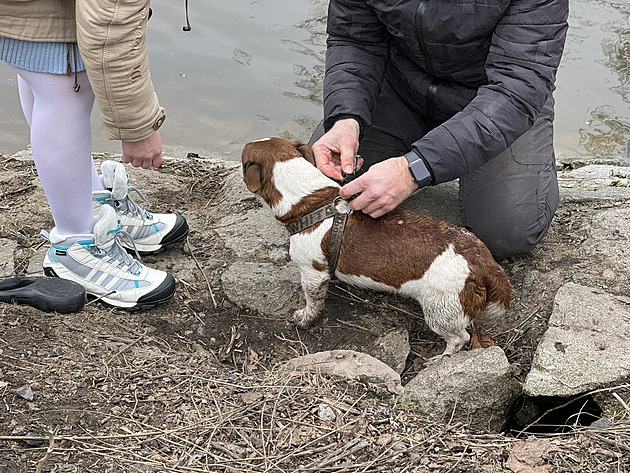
(339, 210)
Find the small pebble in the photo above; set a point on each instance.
(326, 413)
(399, 447)
(25, 392)
(601, 423)
(383, 440)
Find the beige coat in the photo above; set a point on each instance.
(111, 38)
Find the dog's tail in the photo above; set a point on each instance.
(498, 293)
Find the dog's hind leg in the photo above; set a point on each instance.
(315, 285)
(447, 319)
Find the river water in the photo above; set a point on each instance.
(250, 69)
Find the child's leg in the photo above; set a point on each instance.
(61, 140)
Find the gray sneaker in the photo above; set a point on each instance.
(102, 266)
(151, 233)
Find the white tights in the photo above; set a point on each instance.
(61, 141)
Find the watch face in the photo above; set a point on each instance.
(420, 173)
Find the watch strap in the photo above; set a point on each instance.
(418, 168)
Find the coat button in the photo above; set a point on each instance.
(159, 121)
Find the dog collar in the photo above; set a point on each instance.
(339, 210)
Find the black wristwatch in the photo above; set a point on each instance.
(420, 173)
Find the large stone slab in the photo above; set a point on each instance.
(586, 346)
(392, 348)
(255, 236)
(595, 182)
(476, 387)
(609, 236)
(265, 287)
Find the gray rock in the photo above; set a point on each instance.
(7, 251)
(35, 263)
(255, 236)
(392, 348)
(326, 413)
(265, 287)
(595, 182)
(602, 423)
(609, 236)
(586, 346)
(25, 392)
(348, 364)
(475, 387)
(597, 175)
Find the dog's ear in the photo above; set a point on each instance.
(307, 152)
(253, 176)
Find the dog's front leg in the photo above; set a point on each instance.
(315, 285)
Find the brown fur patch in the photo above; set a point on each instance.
(307, 152)
(252, 173)
(474, 296)
(259, 159)
(391, 252)
(318, 266)
(486, 283)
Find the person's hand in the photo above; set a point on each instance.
(334, 152)
(144, 153)
(382, 188)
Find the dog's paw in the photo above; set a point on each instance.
(304, 318)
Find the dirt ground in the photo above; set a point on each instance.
(196, 385)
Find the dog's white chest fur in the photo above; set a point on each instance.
(304, 248)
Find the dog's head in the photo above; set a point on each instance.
(259, 159)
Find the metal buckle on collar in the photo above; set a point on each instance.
(341, 206)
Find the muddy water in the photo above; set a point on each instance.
(593, 86)
(250, 69)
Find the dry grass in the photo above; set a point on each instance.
(200, 420)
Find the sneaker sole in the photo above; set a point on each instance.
(175, 236)
(46, 294)
(163, 293)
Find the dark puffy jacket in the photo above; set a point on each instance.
(479, 70)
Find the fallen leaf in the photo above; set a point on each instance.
(529, 456)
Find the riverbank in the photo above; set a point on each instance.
(195, 385)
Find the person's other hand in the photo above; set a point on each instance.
(334, 152)
(144, 153)
(382, 188)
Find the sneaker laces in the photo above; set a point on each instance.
(129, 205)
(118, 253)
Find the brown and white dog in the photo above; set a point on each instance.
(448, 270)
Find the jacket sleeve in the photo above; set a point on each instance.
(524, 55)
(355, 61)
(111, 38)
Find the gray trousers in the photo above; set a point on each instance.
(508, 202)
